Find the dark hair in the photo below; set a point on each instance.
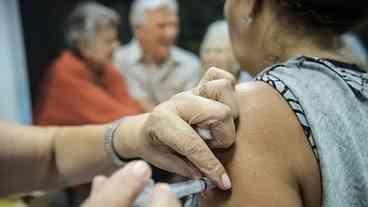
(338, 15)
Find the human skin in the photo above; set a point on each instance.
(219, 54)
(135, 175)
(157, 35)
(99, 50)
(271, 163)
(57, 157)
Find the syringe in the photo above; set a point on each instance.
(181, 190)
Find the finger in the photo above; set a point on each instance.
(125, 185)
(98, 183)
(195, 109)
(223, 134)
(209, 114)
(163, 197)
(173, 163)
(182, 138)
(215, 74)
(222, 91)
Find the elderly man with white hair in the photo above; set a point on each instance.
(216, 51)
(155, 68)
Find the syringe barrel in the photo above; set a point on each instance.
(188, 188)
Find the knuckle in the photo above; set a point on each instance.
(223, 88)
(154, 122)
(227, 143)
(151, 131)
(223, 143)
(215, 169)
(217, 73)
(189, 147)
(213, 72)
(224, 83)
(220, 112)
(196, 90)
(205, 91)
(215, 89)
(215, 145)
(226, 110)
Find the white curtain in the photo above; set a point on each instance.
(14, 89)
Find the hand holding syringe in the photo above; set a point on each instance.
(182, 189)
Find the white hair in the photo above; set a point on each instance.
(84, 19)
(139, 8)
(217, 31)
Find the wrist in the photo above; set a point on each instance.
(127, 139)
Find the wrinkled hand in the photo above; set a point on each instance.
(124, 186)
(167, 138)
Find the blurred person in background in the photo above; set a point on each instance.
(155, 68)
(82, 86)
(354, 48)
(216, 51)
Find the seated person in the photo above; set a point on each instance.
(82, 86)
(216, 51)
(155, 68)
(303, 128)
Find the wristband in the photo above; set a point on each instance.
(109, 144)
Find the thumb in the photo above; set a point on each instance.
(215, 74)
(122, 188)
(163, 197)
(98, 183)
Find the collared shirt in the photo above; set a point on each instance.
(157, 83)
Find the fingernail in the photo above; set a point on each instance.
(226, 181)
(141, 169)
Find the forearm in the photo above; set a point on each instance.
(79, 154)
(33, 158)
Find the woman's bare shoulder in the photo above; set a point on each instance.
(271, 163)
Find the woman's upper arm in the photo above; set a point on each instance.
(271, 163)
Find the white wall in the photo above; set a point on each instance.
(14, 90)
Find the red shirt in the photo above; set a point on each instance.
(71, 96)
